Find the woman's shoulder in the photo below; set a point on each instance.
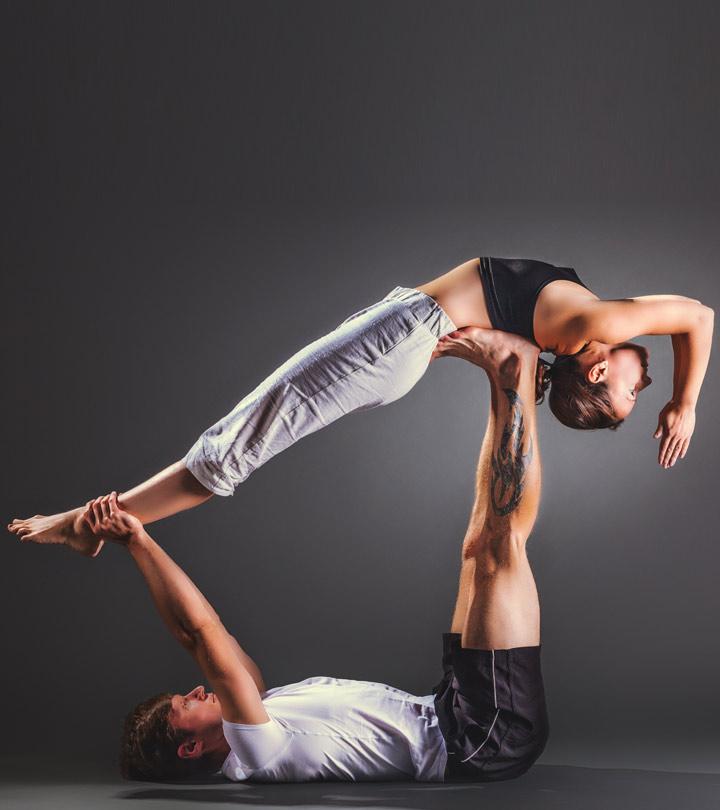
(559, 318)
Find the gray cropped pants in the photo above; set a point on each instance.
(374, 357)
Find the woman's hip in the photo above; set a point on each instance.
(372, 358)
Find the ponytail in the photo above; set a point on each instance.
(574, 401)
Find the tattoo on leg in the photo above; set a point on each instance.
(509, 464)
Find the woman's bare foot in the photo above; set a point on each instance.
(65, 528)
(490, 349)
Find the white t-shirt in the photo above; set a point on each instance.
(338, 729)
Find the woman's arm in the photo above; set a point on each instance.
(689, 321)
(690, 324)
(677, 419)
(618, 321)
(679, 344)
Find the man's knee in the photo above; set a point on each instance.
(495, 548)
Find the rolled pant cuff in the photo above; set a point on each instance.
(206, 472)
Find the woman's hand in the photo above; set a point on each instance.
(676, 424)
(107, 520)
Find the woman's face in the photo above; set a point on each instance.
(626, 376)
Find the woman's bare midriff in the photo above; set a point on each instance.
(460, 293)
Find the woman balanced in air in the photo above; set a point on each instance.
(378, 354)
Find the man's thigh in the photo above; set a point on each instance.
(491, 710)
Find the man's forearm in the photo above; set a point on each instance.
(180, 603)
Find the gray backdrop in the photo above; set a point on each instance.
(193, 191)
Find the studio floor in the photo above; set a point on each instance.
(545, 787)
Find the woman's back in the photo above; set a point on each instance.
(527, 297)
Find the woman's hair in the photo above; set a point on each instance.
(575, 402)
(148, 749)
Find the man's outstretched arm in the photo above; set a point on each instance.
(188, 615)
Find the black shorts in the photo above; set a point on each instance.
(491, 710)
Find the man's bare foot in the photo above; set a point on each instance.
(490, 349)
(65, 528)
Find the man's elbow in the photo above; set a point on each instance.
(196, 635)
(185, 639)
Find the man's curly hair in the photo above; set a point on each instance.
(148, 749)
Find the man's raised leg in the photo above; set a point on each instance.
(497, 604)
(490, 702)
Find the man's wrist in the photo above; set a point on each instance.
(138, 540)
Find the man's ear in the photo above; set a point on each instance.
(190, 749)
(597, 372)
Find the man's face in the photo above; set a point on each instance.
(196, 714)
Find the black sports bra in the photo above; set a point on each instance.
(512, 287)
